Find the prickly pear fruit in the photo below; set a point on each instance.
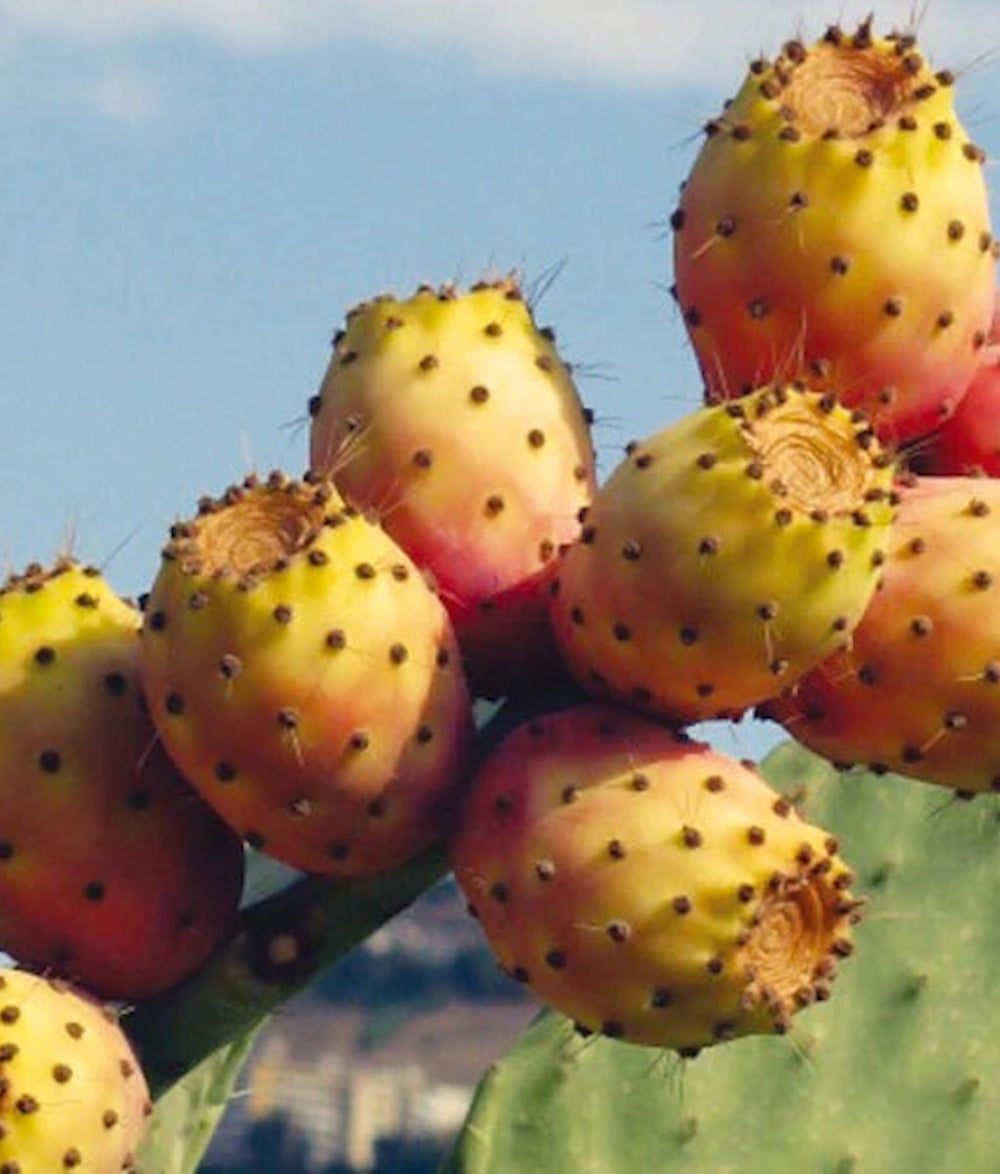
(453, 417)
(726, 555)
(306, 679)
(836, 222)
(112, 871)
(74, 1096)
(918, 690)
(646, 885)
(969, 441)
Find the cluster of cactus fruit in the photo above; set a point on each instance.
(817, 544)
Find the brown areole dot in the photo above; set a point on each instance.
(619, 931)
(230, 666)
(50, 761)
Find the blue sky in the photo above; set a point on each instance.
(194, 192)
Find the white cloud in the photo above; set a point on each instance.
(645, 43)
(123, 94)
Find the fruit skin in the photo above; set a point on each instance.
(836, 222)
(646, 885)
(452, 417)
(918, 691)
(112, 871)
(74, 1096)
(726, 555)
(969, 441)
(306, 679)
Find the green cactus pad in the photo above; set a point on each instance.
(185, 1119)
(894, 1073)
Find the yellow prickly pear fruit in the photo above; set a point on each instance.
(648, 886)
(836, 224)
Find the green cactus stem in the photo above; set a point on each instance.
(278, 947)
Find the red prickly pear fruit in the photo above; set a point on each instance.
(112, 871)
(452, 416)
(306, 679)
(726, 555)
(918, 690)
(836, 223)
(968, 442)
(646, 885)
(74, 1096)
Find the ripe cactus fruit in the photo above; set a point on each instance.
(836, 222)
(918, 690)
(453, 417)
(647, 886)
(969, 441)
(112, 870)
(74, 1096)
(726, 555)
(306, 679)
(905, 1030)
